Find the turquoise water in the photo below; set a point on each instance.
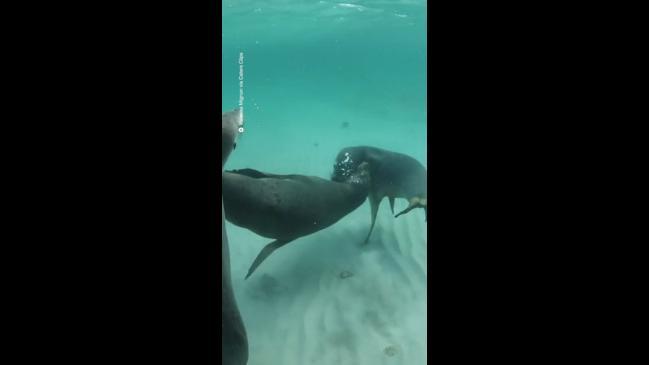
(311, 65)
(319, 76)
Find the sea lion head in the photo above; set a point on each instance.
(231, 127)
(356, 175)
(347, 164)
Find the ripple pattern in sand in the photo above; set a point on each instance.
(326, 299)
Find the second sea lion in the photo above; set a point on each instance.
(392, 175)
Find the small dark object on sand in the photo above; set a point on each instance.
(345, 125)
(269, 286)
(316, 144)
(346, 274)
(390, 351)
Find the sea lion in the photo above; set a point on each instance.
(234, 340)
(392, 174)
(287, 207)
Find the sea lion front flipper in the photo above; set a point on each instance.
(264, 253)
(391, 198)
(374, 205)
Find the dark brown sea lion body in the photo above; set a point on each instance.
(287, 207)
(392, 174)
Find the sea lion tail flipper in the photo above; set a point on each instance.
(374, 205)
(264, 253)
(391, 198)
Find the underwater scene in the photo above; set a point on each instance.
(324, 132)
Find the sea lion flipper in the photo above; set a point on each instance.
(391, 198)
(375, 201)
(415, 202)
(264, 253)
(410, 207)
